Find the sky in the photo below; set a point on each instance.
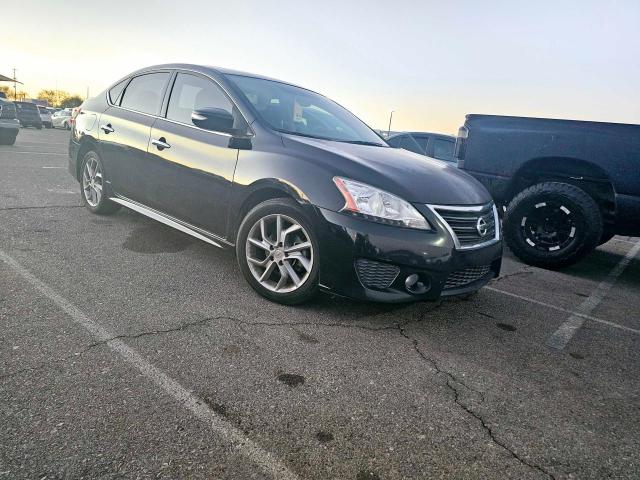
(431, 62)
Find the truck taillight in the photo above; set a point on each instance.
(461, 145)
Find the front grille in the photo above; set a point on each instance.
(7, 110)
(375, 274)
(470, 227)
(464, 277)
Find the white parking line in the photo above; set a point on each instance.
(262, 458)
(55, 167)
(564, 310)
(568, 329)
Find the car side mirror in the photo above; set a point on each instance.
(214, 119)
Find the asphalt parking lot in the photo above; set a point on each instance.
(129, 350)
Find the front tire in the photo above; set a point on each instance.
(278, 253)
(552, 225)
(94, 187)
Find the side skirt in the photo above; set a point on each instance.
(172, 222)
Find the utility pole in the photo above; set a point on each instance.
(15, 85)
(389, 129)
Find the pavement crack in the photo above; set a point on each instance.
(185, 326)
(451, 383)
(207, 320)
(524, 271)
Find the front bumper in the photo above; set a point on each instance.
(344, 239)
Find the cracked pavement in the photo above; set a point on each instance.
(463, 388)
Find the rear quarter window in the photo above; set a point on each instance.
(115, 91)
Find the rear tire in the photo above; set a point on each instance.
(552, 225)
(283, 268)
(94, 188)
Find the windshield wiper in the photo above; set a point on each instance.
(363, 142)
(308, 135)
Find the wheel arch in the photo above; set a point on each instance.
(87, 143)
(258, 192)
(581, 173)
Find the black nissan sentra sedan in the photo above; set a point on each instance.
(307, 194)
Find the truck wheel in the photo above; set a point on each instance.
(552, 225)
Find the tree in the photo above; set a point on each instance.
(71, 101)
(52, 97)
(9, 93)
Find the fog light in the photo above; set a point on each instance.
(414, 285)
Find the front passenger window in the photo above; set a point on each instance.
(192, 92)
(144, 93)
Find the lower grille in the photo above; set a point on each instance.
(464, 277)
(375, 274)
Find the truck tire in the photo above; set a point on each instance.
(552, 225)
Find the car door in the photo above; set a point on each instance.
(124, 132)
(191, 169)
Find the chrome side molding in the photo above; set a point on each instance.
(160, 217)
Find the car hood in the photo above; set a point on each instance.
(413, 177)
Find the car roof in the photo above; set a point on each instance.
(210, 69)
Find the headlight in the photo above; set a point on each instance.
(378, 205)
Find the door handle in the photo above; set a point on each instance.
(160, 143)
(107, 129)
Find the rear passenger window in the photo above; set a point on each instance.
(192, 92)
(144, 93)
(422, 141)
(116, 90)
(409, 143)
(443, 149)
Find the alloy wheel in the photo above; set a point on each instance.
(92, 181)
(279, 253)
(549, 226)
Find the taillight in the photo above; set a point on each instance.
(461, 145)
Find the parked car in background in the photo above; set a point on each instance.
(9, 123)
(567, 185)
(434, 145)
(61, 119)
(28, 114)
(45, 115)
(308, 195)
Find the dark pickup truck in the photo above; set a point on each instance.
(566, 186)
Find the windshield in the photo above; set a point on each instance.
(297, 111)
(30, 107)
